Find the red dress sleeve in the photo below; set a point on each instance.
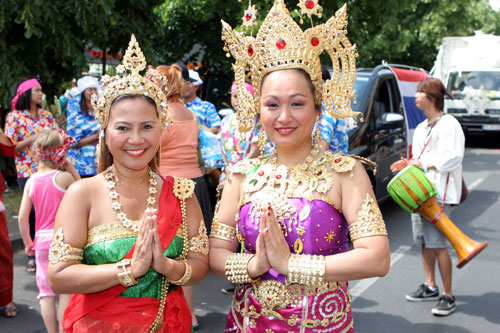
(8, 151)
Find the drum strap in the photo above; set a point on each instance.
(429, 134)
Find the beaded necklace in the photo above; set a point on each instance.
(280, 183)
(110, 178)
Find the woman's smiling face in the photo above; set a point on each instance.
(133, 133)
(287, 108)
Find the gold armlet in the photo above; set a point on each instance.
(187, 275)
(236, 268)
(61, 251)
(199, 243)
(125, 276)
(306, 269)
(223, 231)
(370, 221)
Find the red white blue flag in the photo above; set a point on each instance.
(408, 80)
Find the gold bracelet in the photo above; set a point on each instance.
(187, 275)
(222, 231)
(236, 268)
(306, 269)
(61, 251)
(126, 278)
(370, 221)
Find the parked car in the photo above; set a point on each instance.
(381, 136)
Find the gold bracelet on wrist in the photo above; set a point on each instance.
(126, 278)
(306, 269)
(236, 268)
(187, 275)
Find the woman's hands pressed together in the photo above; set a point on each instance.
(143, 252)
(272, 250)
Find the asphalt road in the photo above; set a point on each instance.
(379, 304)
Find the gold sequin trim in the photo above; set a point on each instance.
(183, 188)
(370, 221)
(61, 251)
(199, 243)
(109, 231)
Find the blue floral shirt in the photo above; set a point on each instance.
(206, 112)
(334, 131)
(80, 126)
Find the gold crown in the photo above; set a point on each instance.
(133, 83)
(281, 44)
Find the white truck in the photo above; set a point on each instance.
(469, 67)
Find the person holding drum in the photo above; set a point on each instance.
(291, 210)
(438, 149)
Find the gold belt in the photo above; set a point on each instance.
(273, 294)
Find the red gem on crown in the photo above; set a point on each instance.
(315, 41)
(310, 4)
(250, 51)
(280, 44)
(248, 17)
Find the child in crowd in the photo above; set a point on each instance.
(44, 190)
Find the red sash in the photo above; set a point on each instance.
(169, 221)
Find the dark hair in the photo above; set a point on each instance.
(83, 103)
(305, 75)
(24, 100)
(105, 157)
(434, 90)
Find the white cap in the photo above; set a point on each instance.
(87, 82)
(195, 77)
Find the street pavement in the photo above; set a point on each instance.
(379, 304)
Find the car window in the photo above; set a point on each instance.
(360, 85)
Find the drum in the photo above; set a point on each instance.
(414, 192)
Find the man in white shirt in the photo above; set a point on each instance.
(438, 149)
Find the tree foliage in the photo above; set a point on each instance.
(405, 32)
(48, 38)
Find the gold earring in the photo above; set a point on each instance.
(317, 136)
(262, 141)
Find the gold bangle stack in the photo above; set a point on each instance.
(126, 278)
(236, 268)
(187, 275)
(306, 269)
(222, 231)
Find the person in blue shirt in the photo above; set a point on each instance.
(83, 127)
(333, 131)
(333, 134)
(206, 112)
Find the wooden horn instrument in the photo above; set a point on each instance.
(465, 247)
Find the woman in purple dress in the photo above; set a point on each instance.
(292, 211)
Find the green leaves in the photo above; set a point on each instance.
(49, 37)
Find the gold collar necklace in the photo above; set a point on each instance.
(110, 178)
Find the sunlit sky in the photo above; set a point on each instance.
(495, 4)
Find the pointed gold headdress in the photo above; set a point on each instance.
(131, 83)
(281, 44)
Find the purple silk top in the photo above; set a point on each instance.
(326, 231)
